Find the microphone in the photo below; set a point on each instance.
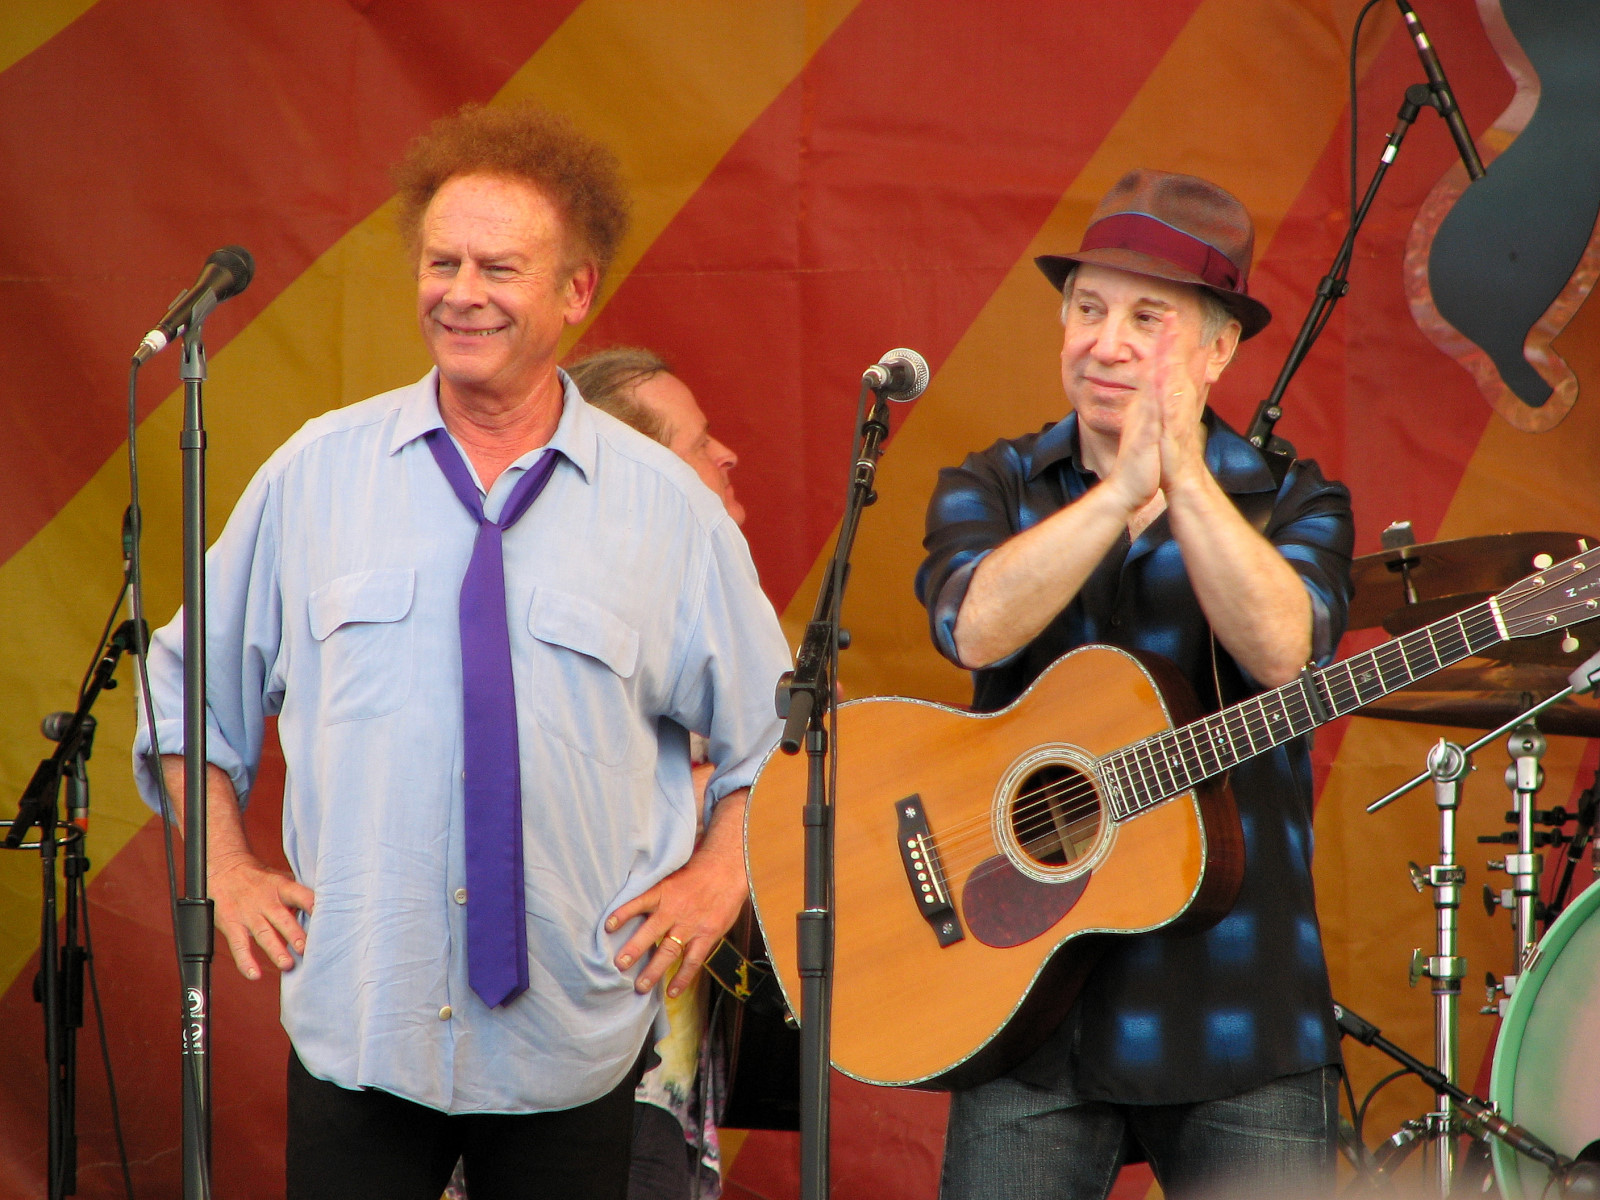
(1440, 87)
(55, 726)
(899, 375)
(226, 273)
(1519, 1139)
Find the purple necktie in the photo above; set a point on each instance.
(497, 925)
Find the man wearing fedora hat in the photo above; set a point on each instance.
(1141, 520)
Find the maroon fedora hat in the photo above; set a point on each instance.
(1173, 227)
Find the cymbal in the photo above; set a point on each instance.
(1464, 570)
(1479, 694)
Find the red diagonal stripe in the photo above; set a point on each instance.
(936, 137)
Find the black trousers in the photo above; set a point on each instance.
(347, 1143)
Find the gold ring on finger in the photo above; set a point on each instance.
(674, 938)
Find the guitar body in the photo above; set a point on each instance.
(1034, 867)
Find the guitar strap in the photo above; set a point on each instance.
(750, 983)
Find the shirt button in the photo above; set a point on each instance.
(445, 1013)
(460, 895)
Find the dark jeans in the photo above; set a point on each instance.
(345, 1143)
(1013, 1140)
(662, 1161)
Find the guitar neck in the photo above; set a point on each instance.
(1148, 772)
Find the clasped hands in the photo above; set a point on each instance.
(1162, 444)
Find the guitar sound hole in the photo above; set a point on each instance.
(1056, 815)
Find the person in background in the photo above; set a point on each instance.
(676, 1155)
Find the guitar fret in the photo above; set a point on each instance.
(1223, 753)
(1175, 764)
(1352, 699)
(1336, 689)
(1420, 657)
(1147, 797)
(1392, 668)
(1194, 762)
(1147, 760)
(1487, 632)
(1302, 714)
(1450, 638)
(1244, 728)
(1119, 771)
(1279, 718)
(1162, 757)
(1433, 648)
(1369, 683)
(1204, 745)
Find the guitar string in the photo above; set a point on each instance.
(1075, 798)
(1078, 798)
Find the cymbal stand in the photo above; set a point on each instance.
(1526, 867)
(1448, 765)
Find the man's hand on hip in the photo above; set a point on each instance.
(688, 911)
(257, 906)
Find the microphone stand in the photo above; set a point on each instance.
(806, 702)
(1482, 1114)
(194, 910)
(1336, 282)
(59, 986)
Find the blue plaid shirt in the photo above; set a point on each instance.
(1170, 1018)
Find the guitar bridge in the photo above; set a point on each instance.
(925, 872)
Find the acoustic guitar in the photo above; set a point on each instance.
(982, 860)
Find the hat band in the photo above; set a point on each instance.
(1145, 234)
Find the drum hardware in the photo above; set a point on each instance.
(1526, 867)
(1577, 842)
(1578, 1176)
(1448, 765)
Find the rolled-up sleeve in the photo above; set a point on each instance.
(1313, 528)
(243, 636)
(734, 653)
(968, 516)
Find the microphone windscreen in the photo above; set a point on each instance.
(241, 268)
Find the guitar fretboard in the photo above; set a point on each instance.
(1142, 775)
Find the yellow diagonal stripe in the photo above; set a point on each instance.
(25, 25)
(670, 86)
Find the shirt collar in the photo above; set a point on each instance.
(1237, 465)
(575, 437)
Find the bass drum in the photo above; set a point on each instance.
(1546, 1073)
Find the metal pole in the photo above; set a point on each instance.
(815, 953)
(1526, 867)
(194, 909)
(1448, 765)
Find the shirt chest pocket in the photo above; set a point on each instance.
(582, 679)
(366, 642)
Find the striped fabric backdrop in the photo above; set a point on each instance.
(815, 181)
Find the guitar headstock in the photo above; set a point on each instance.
(1560, 595)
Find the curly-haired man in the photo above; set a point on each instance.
(488, 617)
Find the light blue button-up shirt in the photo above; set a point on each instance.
(635, 615)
